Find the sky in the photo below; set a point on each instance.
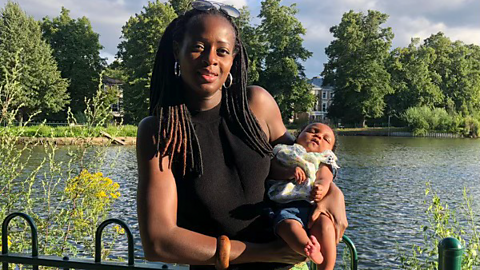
(458, 19)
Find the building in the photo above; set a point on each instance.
(117, 107)
(324, 97)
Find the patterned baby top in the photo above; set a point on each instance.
(295, 155)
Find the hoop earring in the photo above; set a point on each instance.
(176, 69)
(230, 83)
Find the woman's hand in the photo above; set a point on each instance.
(277, 251)
(334, 204)
(318, 192)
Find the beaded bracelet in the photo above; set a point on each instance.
(222, 255)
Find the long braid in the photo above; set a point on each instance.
(176, 132)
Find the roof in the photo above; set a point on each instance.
(111, 81)
(316, 81)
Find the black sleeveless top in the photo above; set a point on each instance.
(228, 198)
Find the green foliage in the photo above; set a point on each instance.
(445, 222)
(10, 92)
(76, 131)
(98, 109)
(65, 201)
(424, 119)
(252, 41)
(412, 79)
(278, 55)
(180, 6)
(76, 48)
(21, 46)
(356, 66)
(457, 65)
(141, 35)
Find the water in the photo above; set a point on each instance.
(383, 179)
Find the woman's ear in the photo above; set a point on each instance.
(176, 50)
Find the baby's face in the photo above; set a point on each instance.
(317, 137)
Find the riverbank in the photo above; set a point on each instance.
(80, 141)
(392, 132)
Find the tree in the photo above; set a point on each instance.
(281, 70)
(413, 81)
(251, 40)
(356, 67)
(141, 35)
(20, 37)
(457, 65)
(180, 6)
(76, 48)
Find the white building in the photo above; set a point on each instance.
(324, 97)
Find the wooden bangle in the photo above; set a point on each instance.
(222, 255)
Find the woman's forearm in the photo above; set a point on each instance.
(188, 247)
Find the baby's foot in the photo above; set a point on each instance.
(312, 250)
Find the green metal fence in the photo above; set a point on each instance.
(449, 249)
(66, 263)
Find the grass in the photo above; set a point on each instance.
(42, 131)
(373, 129)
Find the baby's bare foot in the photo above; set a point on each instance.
(312, 250)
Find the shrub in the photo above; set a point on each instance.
(422, 120)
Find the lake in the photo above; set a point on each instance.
(383, 179)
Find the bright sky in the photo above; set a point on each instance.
(458, 19)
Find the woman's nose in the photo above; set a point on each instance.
(210, 57)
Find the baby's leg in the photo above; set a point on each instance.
(323, 229)
(293, 233)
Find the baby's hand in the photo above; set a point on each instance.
(318, 192)
(300, 176)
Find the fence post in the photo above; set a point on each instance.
(450, 253)
(98, 239)
(33, 229)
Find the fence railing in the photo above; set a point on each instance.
(66, 263)
(450, 251)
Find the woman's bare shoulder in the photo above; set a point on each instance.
(266, 110)
(148, 126)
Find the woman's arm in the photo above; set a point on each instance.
(333, 203)
(162, 239)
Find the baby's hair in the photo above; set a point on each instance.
(176, 133)
(302, 128)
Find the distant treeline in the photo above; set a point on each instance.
(55, 63)
(429, 85)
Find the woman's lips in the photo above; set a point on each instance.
(208, 77)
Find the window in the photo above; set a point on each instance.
(332, 95)
(324, 94)
(324, 107)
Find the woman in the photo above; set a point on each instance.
(204, 153)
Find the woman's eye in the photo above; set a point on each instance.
(223, 51)
(198, 47)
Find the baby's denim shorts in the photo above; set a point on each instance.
(297, 210)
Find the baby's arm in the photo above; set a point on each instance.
(322, 183)
(278, 171)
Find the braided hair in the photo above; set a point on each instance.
(176, 136)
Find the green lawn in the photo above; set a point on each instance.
(41, 131)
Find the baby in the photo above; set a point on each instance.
(302, 175)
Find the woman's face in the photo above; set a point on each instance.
(206, 55)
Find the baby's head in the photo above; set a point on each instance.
(317, 137)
